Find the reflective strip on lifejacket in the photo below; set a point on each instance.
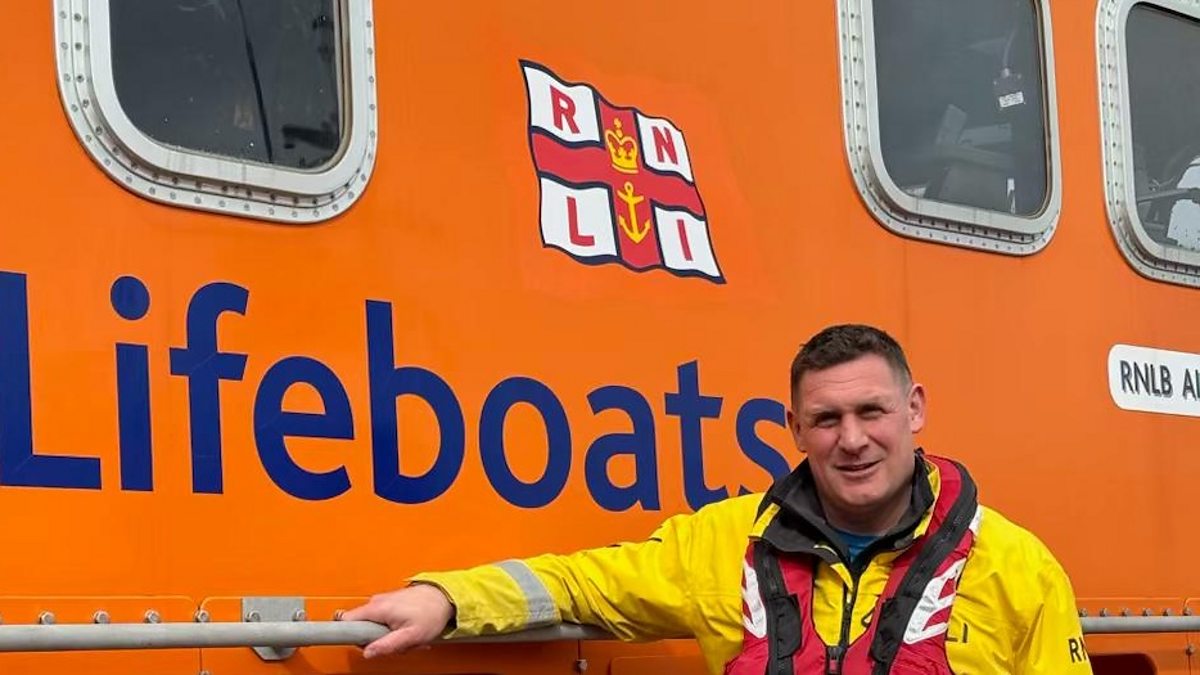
(755, 616)
(541, 606)
(931, 616)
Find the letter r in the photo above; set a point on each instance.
(564, 109)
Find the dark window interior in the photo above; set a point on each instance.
(961, 105)
(254, 80)
(1164, 92)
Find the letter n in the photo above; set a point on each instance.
(664, 144)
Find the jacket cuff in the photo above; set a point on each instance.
(488, 600)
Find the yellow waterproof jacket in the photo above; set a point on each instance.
(1014, 613)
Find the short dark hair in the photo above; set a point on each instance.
(840, 344)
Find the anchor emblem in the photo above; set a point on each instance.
(631, 226)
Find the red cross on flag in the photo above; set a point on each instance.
(616, 185)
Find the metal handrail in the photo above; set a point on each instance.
(1115, 625)
(274, 634)
(284, 634)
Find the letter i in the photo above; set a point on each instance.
(131, 300)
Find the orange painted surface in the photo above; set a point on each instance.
(1012, 350)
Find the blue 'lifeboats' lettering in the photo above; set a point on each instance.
(756, 450)
(639, 443)
(20, 464)
(131, 300)
(273, 426)
(204, 365)
(503, 397)
(692, 408)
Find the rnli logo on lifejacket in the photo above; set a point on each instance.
(755, 616)
(931, 617)
(616, 184)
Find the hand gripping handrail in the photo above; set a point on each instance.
(284, 634)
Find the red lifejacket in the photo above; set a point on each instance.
(907, 633)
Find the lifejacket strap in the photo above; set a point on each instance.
(783, 611)
(896, 612)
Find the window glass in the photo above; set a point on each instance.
(254, 80)
(1163, 49)
(962, 113)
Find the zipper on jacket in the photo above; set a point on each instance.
(773, 591)
(834, 655)
(777, 664)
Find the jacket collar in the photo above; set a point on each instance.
(797, 522)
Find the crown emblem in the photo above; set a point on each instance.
(623, 149)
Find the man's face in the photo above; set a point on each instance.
(856, 423)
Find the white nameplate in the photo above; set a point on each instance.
(1154, 380)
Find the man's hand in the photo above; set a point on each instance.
(416, 615)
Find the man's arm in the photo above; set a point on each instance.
(1053, 643)
(637, 591)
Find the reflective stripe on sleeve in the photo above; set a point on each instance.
(541, 606)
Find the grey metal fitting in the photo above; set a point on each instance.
(100, 616)
(46, 618)
(581, 665)
(1125, 611)
(1146, 611)
(1083, 613)
(1103, 611)
(300, 615)
(1187, 611)
(253, 616)
(338, 614)
(152, 616)
(201, 616)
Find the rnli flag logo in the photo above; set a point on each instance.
(616, 184)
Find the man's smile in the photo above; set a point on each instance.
(858, 470)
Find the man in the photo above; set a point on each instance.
(870, 557)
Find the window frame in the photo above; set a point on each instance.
(199, 180)
(1148, 257)
(930, 219)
